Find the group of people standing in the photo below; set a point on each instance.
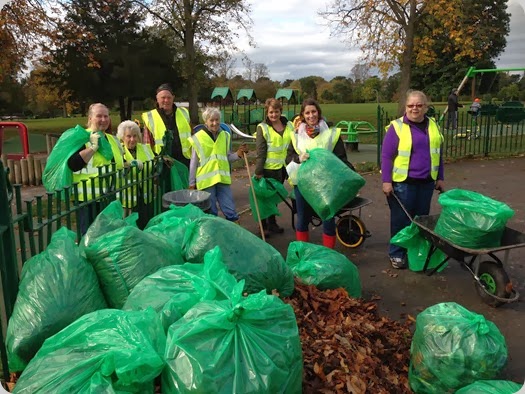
(412, 162)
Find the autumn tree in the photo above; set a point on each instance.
(387, 31)
(200, 26)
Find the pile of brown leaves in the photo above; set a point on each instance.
(347, 346)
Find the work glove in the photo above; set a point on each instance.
(303, 157)
(243, 149)
(93, 140)
(138, 164)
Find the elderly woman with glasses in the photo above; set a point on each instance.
(411, 167)
(135, 155)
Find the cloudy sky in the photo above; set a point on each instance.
(293, 44)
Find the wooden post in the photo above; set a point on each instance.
(18, 172)
(31, 169)
(11, 166)
(38, 171)
(49, 143)
(24, 172)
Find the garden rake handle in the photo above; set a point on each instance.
(254, 197)
(402, 206)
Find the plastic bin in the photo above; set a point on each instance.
(199, 198)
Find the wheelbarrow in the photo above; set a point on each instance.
(490, 278)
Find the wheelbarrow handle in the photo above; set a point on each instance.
(402, 206)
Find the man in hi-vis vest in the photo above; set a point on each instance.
(168, 118)
(411, 167)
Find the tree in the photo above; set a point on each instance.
(386, 31)
(199, 25)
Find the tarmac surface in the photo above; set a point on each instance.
(402, 294)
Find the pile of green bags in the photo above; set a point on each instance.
(490, 387)
(453, 347)
(472, 220)
(57, 287)
(326, 183)
(323, 267)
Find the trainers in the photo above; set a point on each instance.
(275, 228)
(398, 263)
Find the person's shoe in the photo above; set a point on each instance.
(275, 228)
(398, 263)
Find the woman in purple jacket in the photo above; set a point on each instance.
(411, 167)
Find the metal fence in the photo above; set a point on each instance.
(497, 132)
(26, 226)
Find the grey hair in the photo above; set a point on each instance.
(418, 93)
(91, 109)
(128, 125)
(210, 112)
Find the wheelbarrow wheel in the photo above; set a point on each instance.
(494, 280)
(350, 231)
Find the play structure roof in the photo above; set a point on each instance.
(246, 93)
(223, 92)
(289, 94)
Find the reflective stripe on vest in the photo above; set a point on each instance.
(276, 145)
(327, 138)
(402, 160)
(156, 126)
(214, 166)
(144, 154)
(91, 169)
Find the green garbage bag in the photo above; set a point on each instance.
(326, 183)
(241, 345)
(180, 176)
(109, 219)
(472, 220)
(189, 211)
(123, 257)
(107, 351)
(453, 347)
(57, 174)
(269, 193)
(57, 286)
(490, 387)
(174, 290)
(323, 267)
(417, 249)
(247, 256)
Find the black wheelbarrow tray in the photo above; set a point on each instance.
(491, 281)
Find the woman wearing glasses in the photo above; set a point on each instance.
(411, 167)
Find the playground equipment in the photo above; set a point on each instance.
(224, 96)
(352, 129)
(291, 96)
(250, 116)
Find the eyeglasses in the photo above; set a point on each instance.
(419, 105)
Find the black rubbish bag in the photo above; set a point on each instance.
(57, 287)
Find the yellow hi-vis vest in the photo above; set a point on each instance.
(276, 145)
(155, 124)
(402, 160)
(326, 139)
(91, 169)
(214, 166)
(129, 196)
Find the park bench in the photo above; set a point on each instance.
(352, 129)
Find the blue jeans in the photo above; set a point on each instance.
(304, 215)
(416, 199)
(222, 194)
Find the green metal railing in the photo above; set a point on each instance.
(26, 227)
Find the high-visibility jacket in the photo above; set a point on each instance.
(129, 195)
(155, 124)
(402, 160)
(91, 169)
(276, 145)
(214, 166)
(326, 139)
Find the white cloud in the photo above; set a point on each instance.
(293, 43)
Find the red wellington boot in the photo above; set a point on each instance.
(329, 241)
(302, 236)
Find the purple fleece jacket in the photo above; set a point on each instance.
(419, 167)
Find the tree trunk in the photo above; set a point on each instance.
(122, 106)
(190, 63)
(129, 108)
(406, 59)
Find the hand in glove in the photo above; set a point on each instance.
(243, 149)
(138, 164)
(303, 157)
(93, 140)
